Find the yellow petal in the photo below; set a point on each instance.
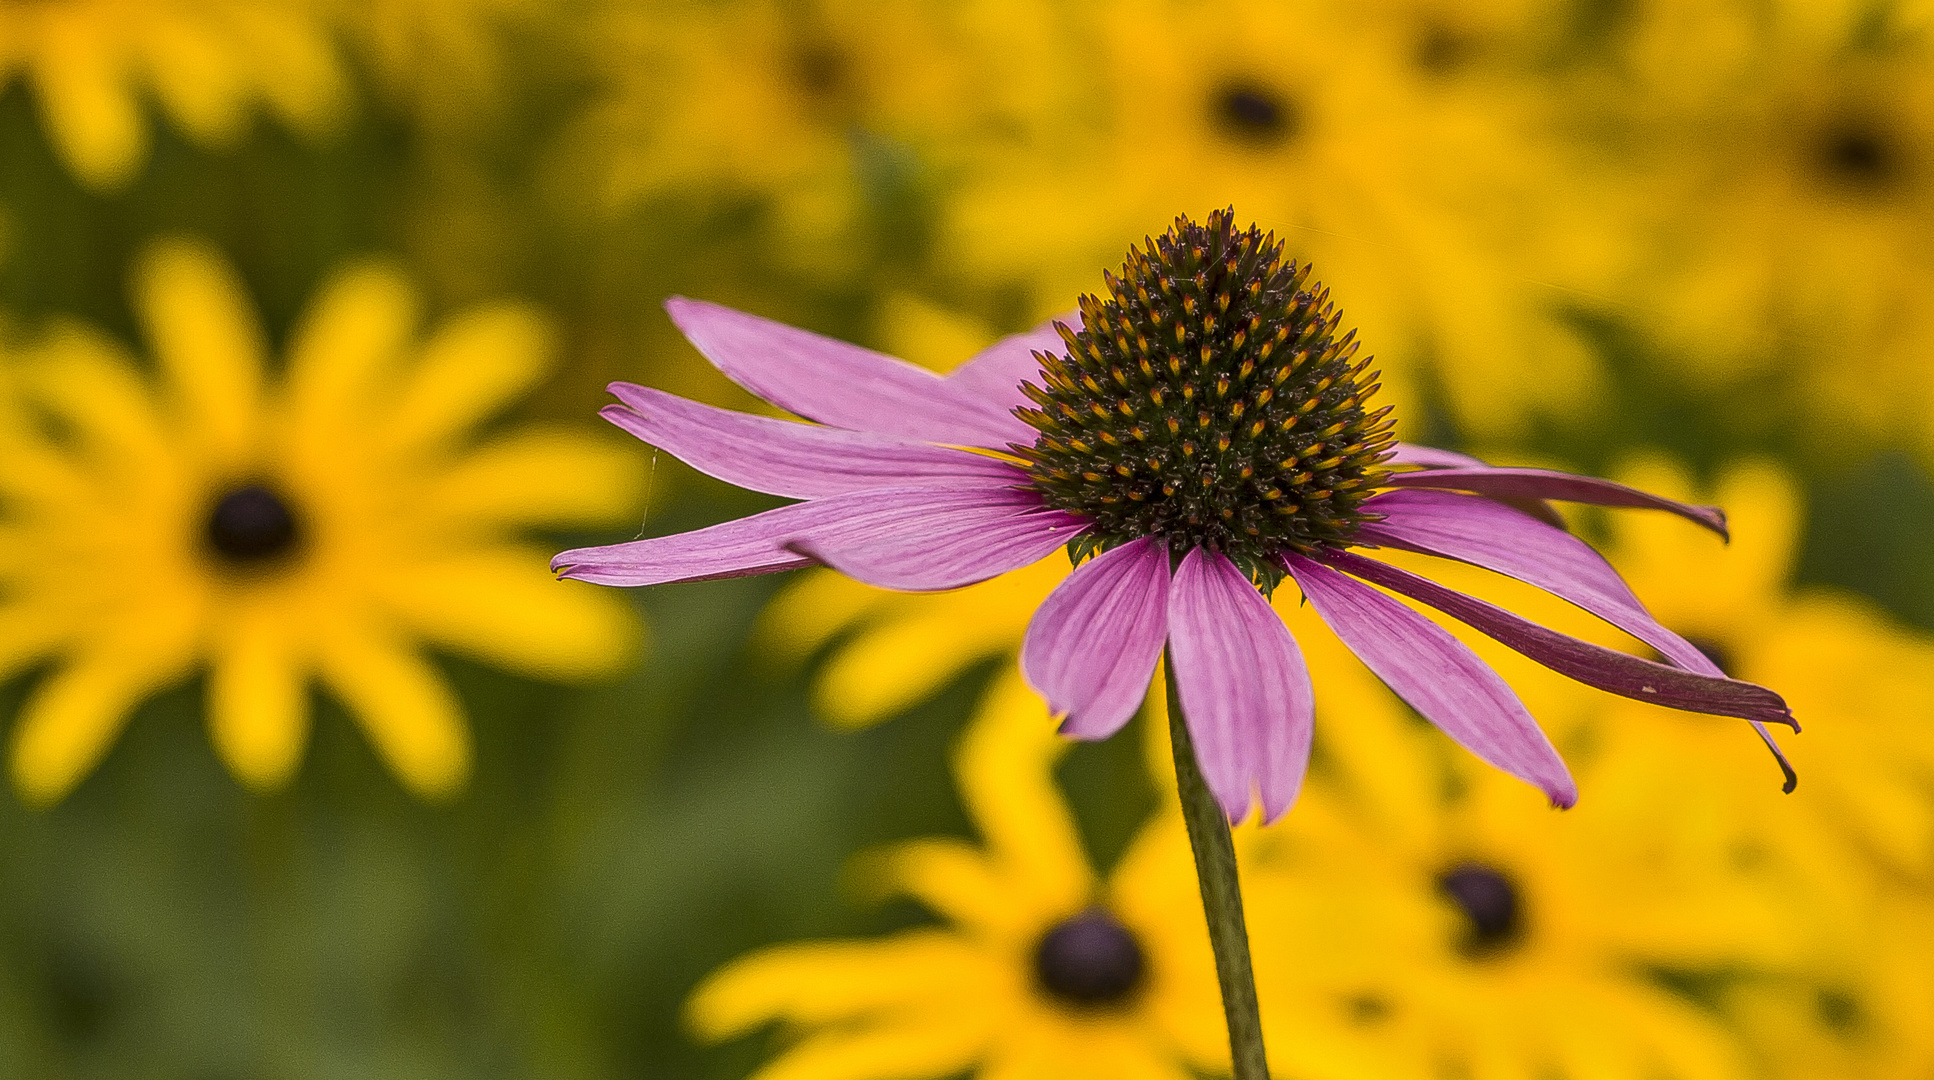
(29, 631)
(541, 477)
(403, 704)
(1005, 768)
(503, 606)
(92, 387)
(1092, 1051)
(831, 982)
(934, 1045)
(205, 337)
(87, 103)
(196, 75)
(345, 358)
(473, 366)
(258, 708)
(887, 668)
(810, 608)
(295, 66)
(66, 727)
(956, 882)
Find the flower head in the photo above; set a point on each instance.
(1209, 401)
(319, 525)
(1140, 447)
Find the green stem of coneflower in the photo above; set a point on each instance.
(1215, 868)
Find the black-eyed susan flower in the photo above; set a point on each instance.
(1861, 1008)
(1204, 436)
(318, 525)
(92, 65)
(1424, 197)
(809, 110)
(1754, 140)
(1468, 937)
(1038, 969)
(443, 59)
(1865, 676)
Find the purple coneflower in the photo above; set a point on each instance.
(1204, 435)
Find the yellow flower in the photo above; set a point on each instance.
(1779, 164)
(91, 64)
(1478, 936)
(1038, 969)
(319, 524)
(1861, 684)
(444, 59)
(1863, 1014)
(1414, 194)
(811, 109)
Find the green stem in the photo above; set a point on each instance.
(1215, 868)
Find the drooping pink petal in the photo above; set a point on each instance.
(781, 457)
(928, 539)
(842, 384)
(1091, 647)
(1430, 457)
(1608, 669)
(1244, 687)
(741, 548)
(1438, 675)
(1481, 532)
(995, 373)
(1546, 484)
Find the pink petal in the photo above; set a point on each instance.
(799, 461)
(753, 545)
(995, 373)
(1244, 687)
(1546, 484)
(1438, 675)
(927, 539)
(1430, 457)
(841, 384)
(779, 539)
(1092, 645)
(1483, 533)
(1608, 669)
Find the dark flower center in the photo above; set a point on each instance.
(1854, 153)
(1489, 901)
(1253, 114)
(1089, 961)
(821, 71)
(251, 524)
(1442, 49)
(1209, 401)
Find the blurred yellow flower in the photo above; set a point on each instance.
(444, 60)
(1861, 684)
(812, 109)
(1417, 196)
(1853, 850)
(316, 525)
(1038, 971)
(1866, 1012)
(1778, 181)
(91, 64)
(1471, 935)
